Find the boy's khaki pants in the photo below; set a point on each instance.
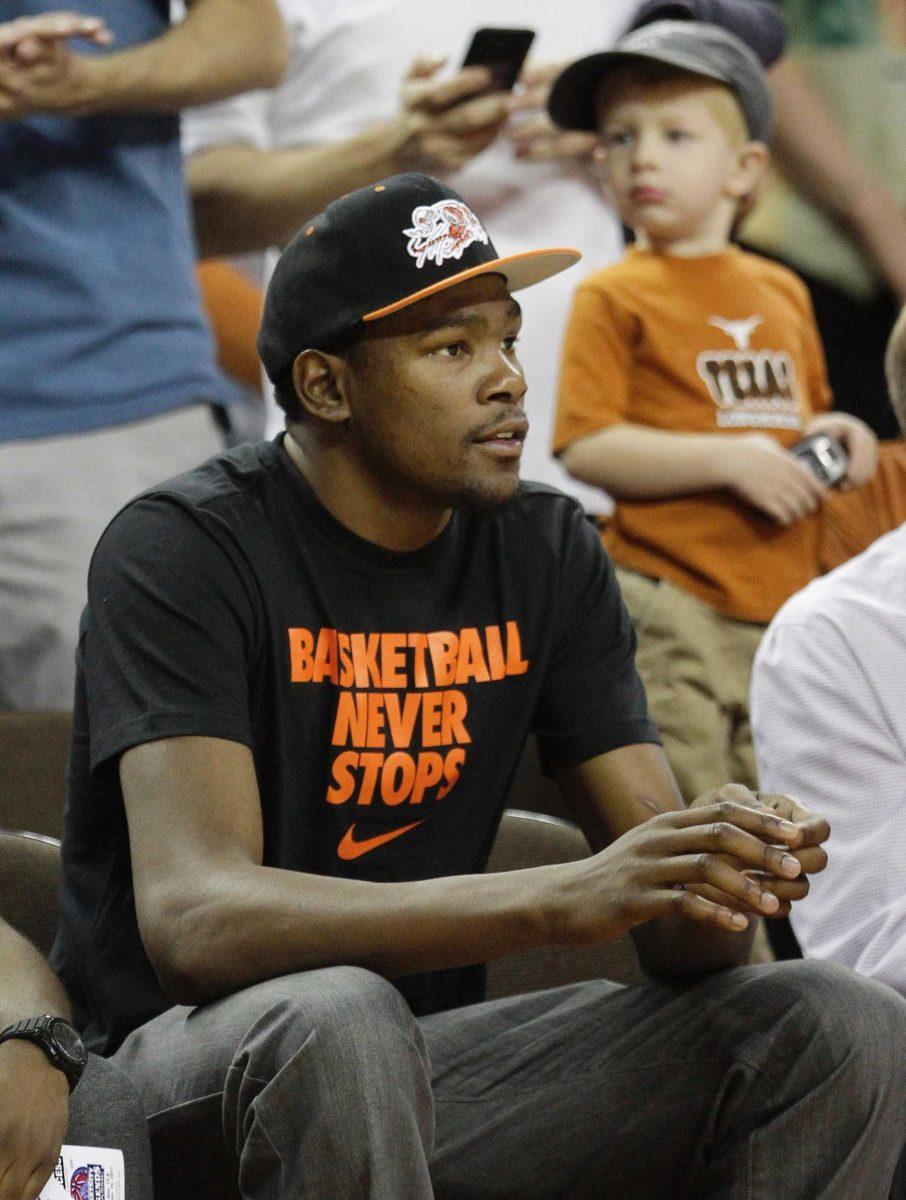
(695, 664)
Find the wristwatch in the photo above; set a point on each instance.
(59, 1041)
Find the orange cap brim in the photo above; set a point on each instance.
(519, 270)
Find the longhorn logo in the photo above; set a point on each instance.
(740, 331)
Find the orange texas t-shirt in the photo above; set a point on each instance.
(851, 521)
(725, 343)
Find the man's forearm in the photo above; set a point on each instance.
(223, 47)
(248, 199)
(633, 462)
(255, 923)
(28, 987)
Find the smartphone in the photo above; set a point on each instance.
(503, 51)
(824, 456)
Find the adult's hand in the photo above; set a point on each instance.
(38, 70)
(809, 851)
(534, 135)
(859, 441)
(766, 476)
(450, 120)
(710, 863)
(34, 1113)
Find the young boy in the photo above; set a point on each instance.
(690, 368)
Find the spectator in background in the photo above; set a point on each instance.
(89, 1103)
(260, 165)
(836, 212)
(670, 358)
(829, 721)
(107, 374)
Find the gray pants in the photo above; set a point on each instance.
(784, 1080)
(105, 1111)
(56, 496)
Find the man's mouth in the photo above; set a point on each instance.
(505, 439)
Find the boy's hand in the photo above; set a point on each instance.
(859, 442)
(763, 474)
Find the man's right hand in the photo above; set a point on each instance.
(34, 1114)
(766, 476)
(449, 120)
(650, 871)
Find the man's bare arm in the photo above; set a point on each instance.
(214, 920)
(222, 47)
(616, 793)
(246, 198)
(34, 1094)
(28, 987)
(814, 152)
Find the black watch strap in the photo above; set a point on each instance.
(57, 1038)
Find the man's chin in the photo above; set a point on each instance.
(479, 496)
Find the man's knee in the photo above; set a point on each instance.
(105, 1110)
(346, 1015)
(841, 1020)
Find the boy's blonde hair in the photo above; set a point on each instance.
(648, 75)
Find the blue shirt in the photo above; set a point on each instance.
(100, 319)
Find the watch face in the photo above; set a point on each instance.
(68, 1041)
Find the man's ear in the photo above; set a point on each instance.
(320, 383)
(750, 168)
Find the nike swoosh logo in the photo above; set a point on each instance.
(349, 849)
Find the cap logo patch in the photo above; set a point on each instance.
(442, 230)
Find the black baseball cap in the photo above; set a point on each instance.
(758, 23)
(694, 46)
(377, 250)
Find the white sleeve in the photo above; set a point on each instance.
(236, 119)
(822, 733)
(248, 118)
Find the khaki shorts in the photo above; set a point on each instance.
(695, 664)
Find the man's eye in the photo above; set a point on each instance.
(677, 135)
(617, 137)
(452, 350)
(510, 343)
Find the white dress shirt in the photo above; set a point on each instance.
(828, 711)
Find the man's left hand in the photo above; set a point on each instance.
(858, 440)
(814, 831)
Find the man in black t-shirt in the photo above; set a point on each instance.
(306, 673)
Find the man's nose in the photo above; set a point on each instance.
(505, 382)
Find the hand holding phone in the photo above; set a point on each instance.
(450, 119)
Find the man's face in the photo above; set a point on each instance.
(435, 395)
(670, 158)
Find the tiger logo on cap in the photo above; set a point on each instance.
(441, 231)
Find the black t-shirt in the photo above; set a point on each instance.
(385, 697)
